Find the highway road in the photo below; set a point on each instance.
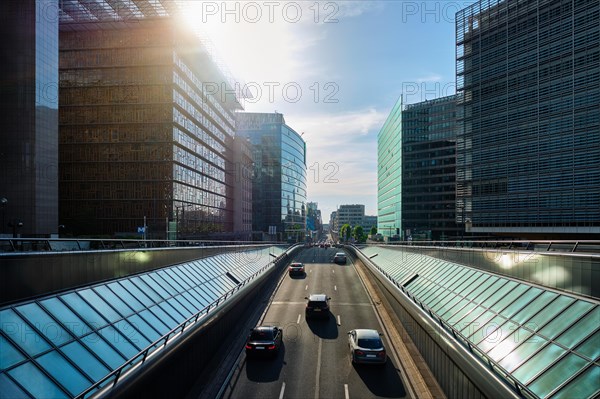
(314, 361)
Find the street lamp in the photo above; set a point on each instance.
(3, 202)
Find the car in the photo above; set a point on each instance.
(366, 346)
(296, 268)
(340, 257)
(264, 340)
(317, 305)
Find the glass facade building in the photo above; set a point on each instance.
(528, 93)
(279, 186)
(141, 136)
(429, 169)
(389, 173)
(29, 123)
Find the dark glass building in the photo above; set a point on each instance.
(141, 136)
(279, 185)
(429, 169)
(528, 93)
(29, 123)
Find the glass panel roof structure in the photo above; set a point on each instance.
(547, 341)
(60, 345)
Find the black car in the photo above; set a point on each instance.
(264, 340)
(296, 268)
(317, 305)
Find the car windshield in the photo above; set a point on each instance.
(370, 343)
(317, 304)
(261, 335)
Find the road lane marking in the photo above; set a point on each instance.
(286, 303)
(333, 271)
(305, 288)
(339, 321)
(283, 390)
(318, 368)
(346, 393)
(335, 287)
(298, 321)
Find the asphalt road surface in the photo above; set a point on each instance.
(314, 361)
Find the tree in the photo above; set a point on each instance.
(373, 230)
(345, 231)
(358, 233)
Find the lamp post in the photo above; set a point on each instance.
(3, 202)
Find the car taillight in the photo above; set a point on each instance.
(248, 346)
(360, 353)
(381, 354)
(271, 347)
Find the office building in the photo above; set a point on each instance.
(142, 138)
(279, 184)
(389, 173)
(528, 94)
(429, 169)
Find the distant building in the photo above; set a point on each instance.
(314, 223)
(389, 173)
(243, 173)
(140, 135)
(350, 214)
(368, 223)
(279, 185)
(333, 222)
(528, 93)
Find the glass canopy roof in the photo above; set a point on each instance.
(59, 345)
(546, 340)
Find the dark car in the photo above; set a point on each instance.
(296, 268)
(264, 340)
(317, 306)
(340, 258)
(366, 346)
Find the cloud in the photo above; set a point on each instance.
(434, 77)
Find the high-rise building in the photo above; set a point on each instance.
(389, 173)
(350, 214)
(29, 123)
(243, 175)
(279, 184)
(429, 169)
(141, 135)
(528, 94)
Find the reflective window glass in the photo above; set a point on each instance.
(84, 359)
(155, 286)
(153, 321)
(21, 333)
(147, 300)
(566, 319)
(489, 286)
(104, 351)
(49, 328)
(167, 283)
(456, 308)
(590, 347)
(84, 310)
(100, 305)
(182, 280)
(145, 328)
(583, 386)
(533, 307)
(181, 305)
(126, 296)
(146, 289)
(193, 301)
(9, 355)
(581, 329)
(553, 309)
(488, 331)
(40, 386)
(498, 336)
(164, 317)
(132, 334)
(502, 292)
(516, 305)
(64, 372)
(443, 306)
(538, 362)
(114, 300)
(473, 321)
(70, 320)
(171, 311)
(188, 271)
(209, 291)
(523, 351)
(194, 269)
(226, 282)
(505, 346)
(557, 374)
(117, 340)
(201, 296)
(8, 388)
(461, 313)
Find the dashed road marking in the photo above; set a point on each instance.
(339, 321)
(318, 368)
(305, 288)
(298, 321)
(346, 393)
(283, 390)
(335, 287)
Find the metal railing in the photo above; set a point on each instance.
(162, 342)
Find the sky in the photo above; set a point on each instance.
(335, 69)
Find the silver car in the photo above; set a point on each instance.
(366, 346)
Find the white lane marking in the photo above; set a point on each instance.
(298, 321)
(311, 270)
(305, 288)
(339, 321)
(346, 393)
(318, 368)
(333, 271)
(283, 390)
(335, 287)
